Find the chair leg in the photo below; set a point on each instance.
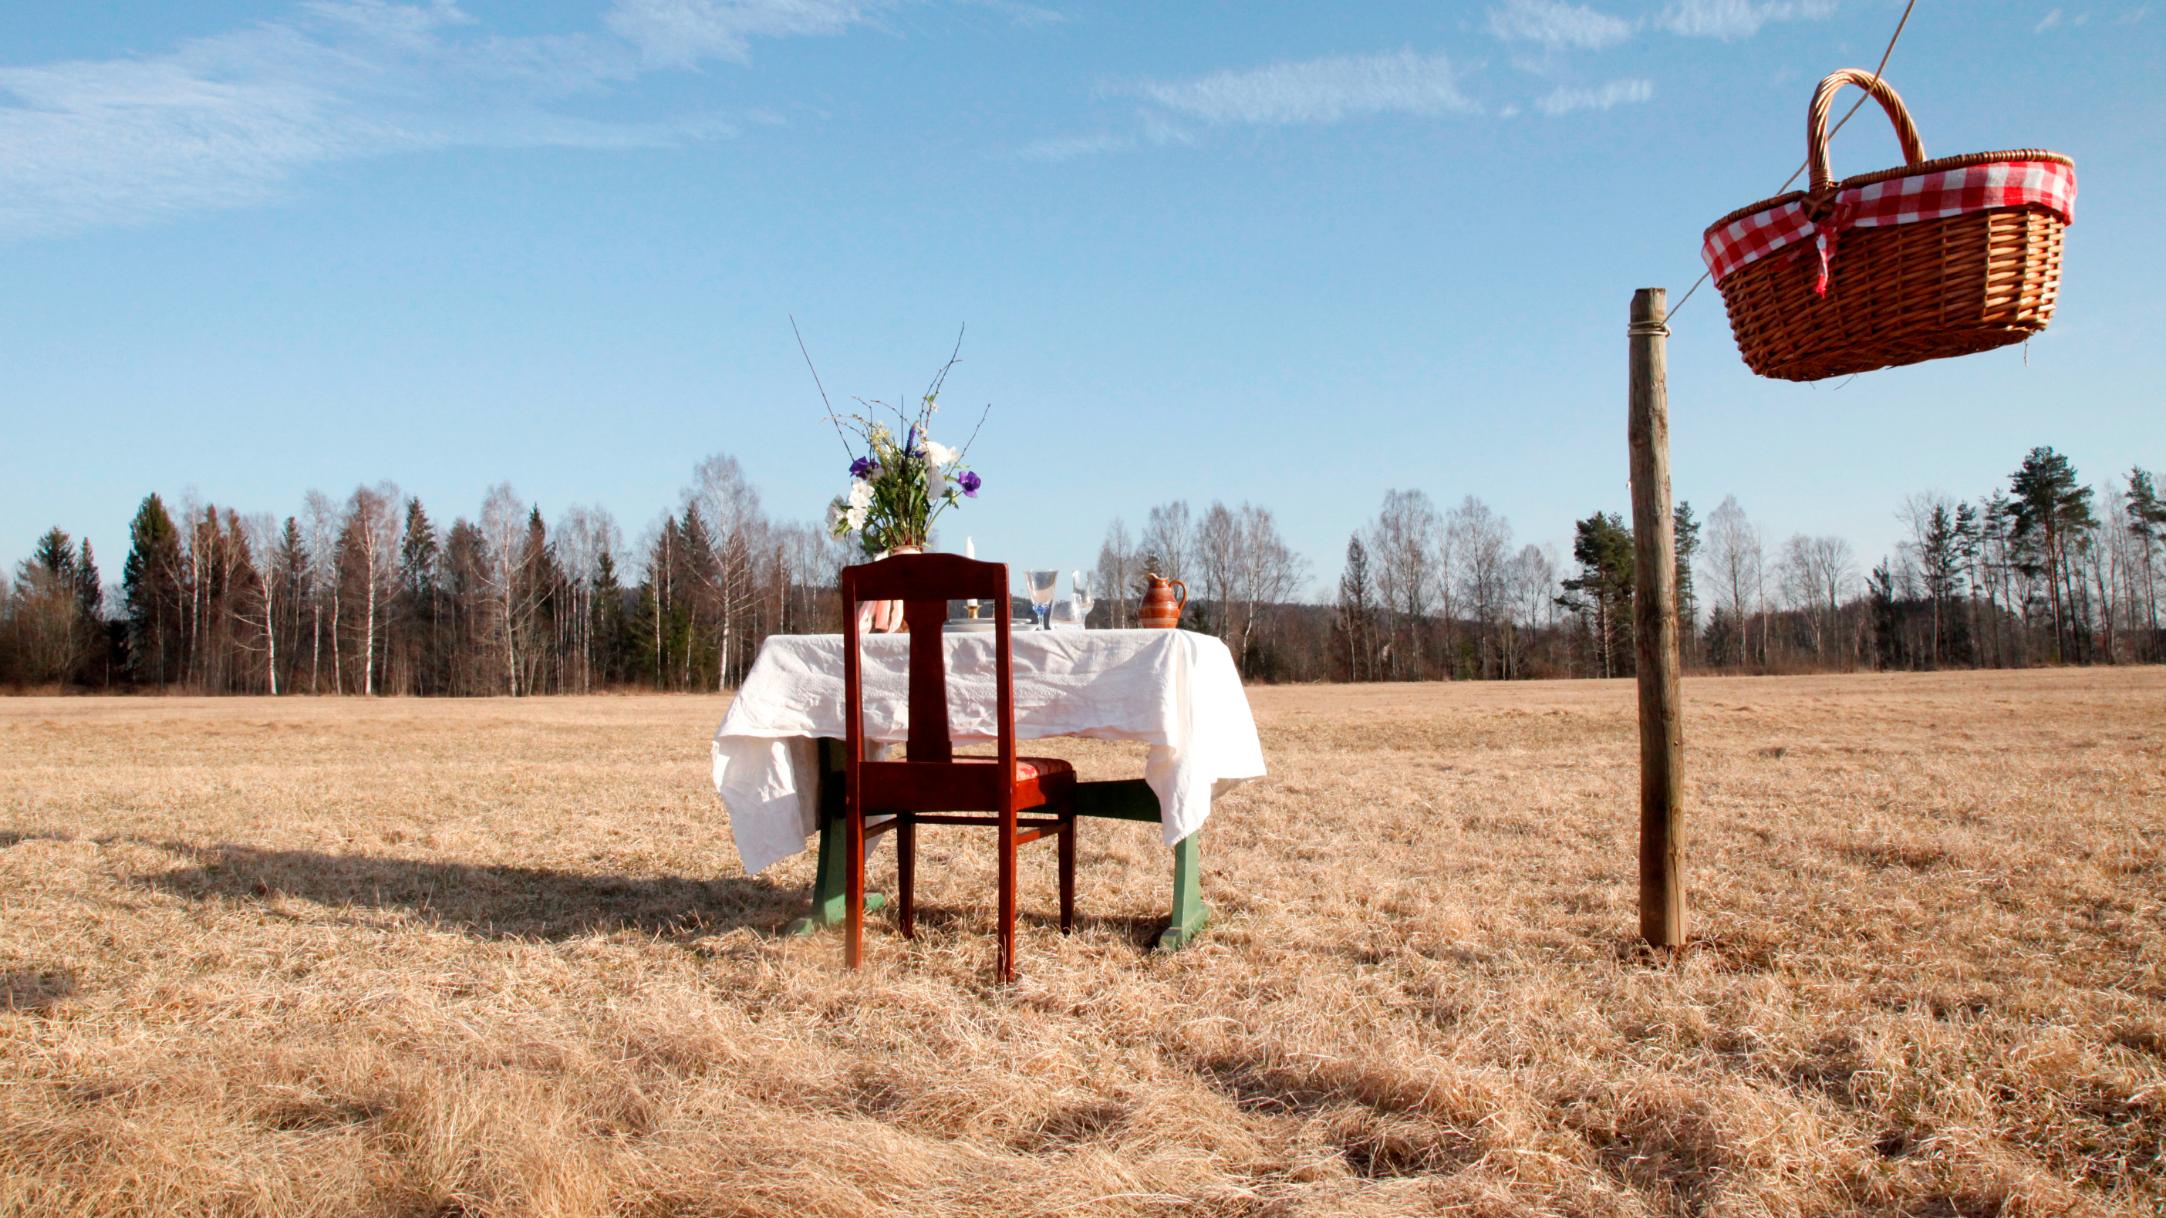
(906, 868)
(1067, 872)
(1005, 965)
(853, 899)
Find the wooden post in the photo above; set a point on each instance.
(1654, 615)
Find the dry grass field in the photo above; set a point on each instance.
(432, 958)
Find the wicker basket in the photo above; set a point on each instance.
(1849, 297)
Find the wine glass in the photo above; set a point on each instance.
(1080, 587)
(1041, 595)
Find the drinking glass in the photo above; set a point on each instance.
(1041, 595)
(1080, 587)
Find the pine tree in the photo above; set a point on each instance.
(46, 632)
(2147, 522)
(611, 625)
(152, 593)
(1687, 530)
(2050, 515)
(1602, 591)
(415, 604)
(1355, 620)
(1940, 563)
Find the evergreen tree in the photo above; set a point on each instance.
(1887, 622)
(46, 633)
(1940, 564)
(414, 606)
(1687, 530)
(1354, 624)
(153, 595)
(2147, 522)
(1969, 546)
(613, 643)
(290, 564)
(1602, 591)
(2050, 514)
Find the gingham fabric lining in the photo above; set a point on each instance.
(1904, 200)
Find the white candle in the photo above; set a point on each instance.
(970, 547)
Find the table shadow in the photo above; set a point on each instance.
(490, 901)
(1139, 930)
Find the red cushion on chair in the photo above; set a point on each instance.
(1038, 780)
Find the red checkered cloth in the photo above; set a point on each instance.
(1904, 200)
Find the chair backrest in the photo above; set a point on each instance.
(929, 780)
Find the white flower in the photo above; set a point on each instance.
(936, 482)
(860, 496)
(939, 455)
(855, 518)
(837, 516)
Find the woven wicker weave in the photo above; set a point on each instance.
(1897, 294)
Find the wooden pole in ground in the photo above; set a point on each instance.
(1654, 636)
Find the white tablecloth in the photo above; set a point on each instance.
(1175, 690)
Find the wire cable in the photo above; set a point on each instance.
(1854, 107)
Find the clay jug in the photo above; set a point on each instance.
(1160, 610)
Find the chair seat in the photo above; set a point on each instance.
(1038, 780)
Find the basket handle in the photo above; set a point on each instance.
(1816, 123)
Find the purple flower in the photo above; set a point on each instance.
(864, 467)
(910, 446)
(970, 483)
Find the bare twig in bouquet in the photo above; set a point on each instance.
(982, 416)
(829, 406)
(940, 378)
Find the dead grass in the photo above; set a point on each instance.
(433, 958)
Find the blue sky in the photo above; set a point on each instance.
(1293, 254)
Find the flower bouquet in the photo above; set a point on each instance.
(899, 486)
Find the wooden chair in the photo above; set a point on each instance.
(933, 785)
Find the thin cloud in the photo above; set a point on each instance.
(1557, 25)
(1074, 147)
(1327, 90)
(1730, 20)
(1609, 96)
(231, 120)
(679, 33)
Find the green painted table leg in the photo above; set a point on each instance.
(827, 886)
(827, 880)
(1190, 914)
(1131, 799)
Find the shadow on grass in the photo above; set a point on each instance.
(490, 901)
(1139, 931)
(35, 989)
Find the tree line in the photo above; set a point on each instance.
(371, 595)
(2041, 570)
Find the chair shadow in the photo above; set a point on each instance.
(1139, 931)
(486, 900)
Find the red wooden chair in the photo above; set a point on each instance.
(933, 785)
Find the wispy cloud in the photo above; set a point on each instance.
(1556, 25)
(678, 33)
(1730, 20)
(1615, 93)
(232, 119)
(1072, 147)
(1327, 90)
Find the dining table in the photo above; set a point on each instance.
(778, 754)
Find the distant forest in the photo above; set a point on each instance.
(371, 595)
